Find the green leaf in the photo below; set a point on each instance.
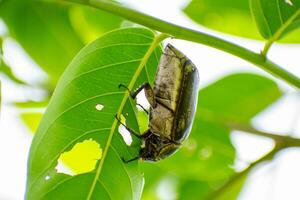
(275, 18)
(90, 23)
(44, 30)
(208, 154)
(227, 16)
(83, 107)
(237, 97)
(7, 71)
(31, 119)
(195, 189)
(32, 104)
(234, 17)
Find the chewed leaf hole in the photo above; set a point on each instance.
(47, 178)
(205, 153)
(99, 107)
(82, 158)
(124, 132)
(289, 2)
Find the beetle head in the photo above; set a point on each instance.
(157, 148)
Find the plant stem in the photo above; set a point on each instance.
(281, 142)
(180, 32)
(279, 33)
(137, 73)
(242, 174)
(285, 141)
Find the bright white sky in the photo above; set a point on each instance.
(278, 180)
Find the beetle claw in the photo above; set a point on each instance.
(128, 161)
(124, 86)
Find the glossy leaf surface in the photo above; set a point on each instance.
(74, 115)
(272, 15)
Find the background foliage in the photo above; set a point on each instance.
(53, 33)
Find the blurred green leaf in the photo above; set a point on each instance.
(207, 157)
(234, 17)
(32, 120)
(83, 107)
(272, 15)
(237, 97)
(195, 189)
(233, 190)
(90, 23)
(6, 70)
(32, 104)
(44, 30)
(208, 154)
(228, 16)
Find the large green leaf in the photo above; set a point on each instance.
(234, 17)
(82, 108)
(44, 30)
(273, 15)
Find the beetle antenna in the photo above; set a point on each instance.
(124, 86)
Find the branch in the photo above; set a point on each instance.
(281, 142)
(180, 32)
(279, 33)
(284, 141)
(240, 175)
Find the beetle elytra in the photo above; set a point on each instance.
(173, 102)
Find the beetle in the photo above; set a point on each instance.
(173, 102)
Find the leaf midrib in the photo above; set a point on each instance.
(142, 64)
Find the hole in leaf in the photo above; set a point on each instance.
(205, 153)
(47, 178)
(99, 107)
(289, 2)
(82, 158)
(124, 132)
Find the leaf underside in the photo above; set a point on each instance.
(234, 17)
(270, 16)
(92, 78)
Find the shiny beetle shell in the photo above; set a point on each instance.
(173, 105)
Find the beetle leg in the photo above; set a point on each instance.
(124, 86)
(130, 160)
(129, 129)
(137, 91)
(146, 111)
(148, 92)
